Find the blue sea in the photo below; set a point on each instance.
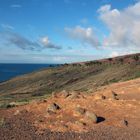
(8, 71)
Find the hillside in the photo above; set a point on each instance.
(111, 113)
(85, 77)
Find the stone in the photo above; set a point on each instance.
(79, 123)
(99, 97)
(124, 123)
(53, 107)
(80, 110)
(16, 112)
(64, 93)
(73, 95)
(91, 116)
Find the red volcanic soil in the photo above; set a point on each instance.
(64, 116)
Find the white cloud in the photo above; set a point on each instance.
(84, 35)
(48, 44)
(104, 8)
(124, 26)
(45, 40)
(114, 54)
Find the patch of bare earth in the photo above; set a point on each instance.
(113, 112)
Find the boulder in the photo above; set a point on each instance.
(80, 123)
(73, 95)
(64, 93)
(53, 107)
(80, 110)
(16, 112)
(124, 122)
(54, 94)
(99, 97)
(114, 96)
(91, 116)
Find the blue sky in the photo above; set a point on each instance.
(64, 31)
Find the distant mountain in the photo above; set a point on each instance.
(82, 76)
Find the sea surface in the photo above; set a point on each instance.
(8, 71)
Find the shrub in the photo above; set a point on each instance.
(8, 105)
(136, 58)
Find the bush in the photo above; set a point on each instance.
(7, 105)
(136, 58)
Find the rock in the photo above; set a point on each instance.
(103, 97)
(79, 123)
(64, 93)
(114, 95)
(124, 122)
(24, 111)
(53, 107)
(61, 128)
(54, 95)
(2, 122)
(91, 116)
(73, 95)
(99, 97)
(49, 112)
(16, 112)
(80, 110)
(45, 100)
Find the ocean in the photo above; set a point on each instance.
(8, 71)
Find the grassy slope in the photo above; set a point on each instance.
(79, 76)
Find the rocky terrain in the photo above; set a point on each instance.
(112, 112)
(84, 77)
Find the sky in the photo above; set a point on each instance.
(66, 31)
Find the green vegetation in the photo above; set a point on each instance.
(70, 77)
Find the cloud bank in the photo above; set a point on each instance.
(124, 26)
(14, 39)
(84, 35)
(10, 38)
